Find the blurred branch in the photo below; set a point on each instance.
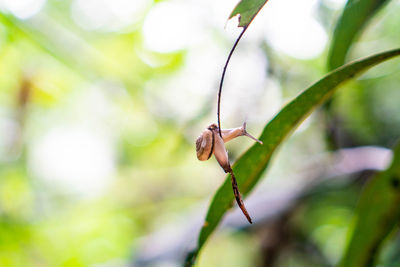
(22, 100)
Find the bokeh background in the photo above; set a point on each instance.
(101, 102)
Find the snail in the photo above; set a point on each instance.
(211, 142)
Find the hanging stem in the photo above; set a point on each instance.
(223, 76)
(238, 196)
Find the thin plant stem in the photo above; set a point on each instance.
(223, 76)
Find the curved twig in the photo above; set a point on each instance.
(223, 76)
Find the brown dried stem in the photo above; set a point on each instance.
(238, 197)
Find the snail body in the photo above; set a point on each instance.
(211, 142)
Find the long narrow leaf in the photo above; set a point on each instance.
(355, 16)
(377, 214)
(250, 166)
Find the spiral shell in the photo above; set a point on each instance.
(205, 143)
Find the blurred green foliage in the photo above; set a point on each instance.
(98, 122)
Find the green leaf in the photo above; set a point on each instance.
(251, 165)
(247, 9)
(376, 215)
(355, 16)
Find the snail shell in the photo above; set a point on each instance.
(205, 143)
